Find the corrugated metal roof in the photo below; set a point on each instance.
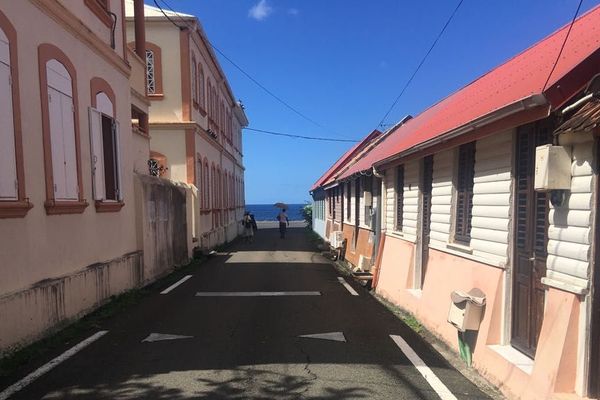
(344, 158)
(519, 78)
(586, 119)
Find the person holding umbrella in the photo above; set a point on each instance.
(282, 217)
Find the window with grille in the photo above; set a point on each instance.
(399, 197)
(150, 76)
(464, 192)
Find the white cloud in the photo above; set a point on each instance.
(293, 11)
(260, 10)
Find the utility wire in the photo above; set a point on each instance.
(301, 136)
(420, 65)
(247, 75)
(563, 45)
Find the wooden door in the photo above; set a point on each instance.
(426, 184)
(531, 227)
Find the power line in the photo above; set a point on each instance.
(420, 64)
(563, 45)
(247, 75)
(300, 136)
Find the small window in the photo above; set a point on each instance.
(139, 120)
(201, 87)
(400, 198)
(464, 192)
(194, 82)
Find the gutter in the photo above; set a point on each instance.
(527, 103)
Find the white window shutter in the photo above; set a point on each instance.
(8, 162)
(97, 154)
(118, 167)
(72, 187)
(55, 116)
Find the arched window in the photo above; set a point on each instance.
(105, 148)
(194, 82)
(206, 185)
(60, 127)
(154, 71)
(13, 201)
(201, 88)
(199, 177)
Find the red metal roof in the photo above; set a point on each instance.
(344, 158)
(520, 77)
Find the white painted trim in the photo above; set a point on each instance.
(173, 286)
(514, 357)
(436, 384)
(347, 286)
(255, 294)
(402, 236)
(9, 391)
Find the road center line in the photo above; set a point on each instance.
(9, 391)
(173, 286)
(435, 382)
(255, 294)
(347, 286)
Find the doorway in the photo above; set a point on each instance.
(531, 240)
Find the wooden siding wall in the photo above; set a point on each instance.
(411, 199)
(492, 197)
(569, 233)
(441, 197)
(389, 198)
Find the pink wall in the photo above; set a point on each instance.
(555, 363)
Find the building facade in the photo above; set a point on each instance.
(461, 208)
(196, 123)
(68, 155)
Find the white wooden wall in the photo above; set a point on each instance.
(569, 233)
(389, 198)
(492, 197)
(411, 199)
(441, 197)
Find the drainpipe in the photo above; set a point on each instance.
(140, 28)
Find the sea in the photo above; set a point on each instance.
(266, 212)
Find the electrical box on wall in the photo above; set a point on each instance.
(552, 168)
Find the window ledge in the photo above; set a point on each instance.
(448, 249)
(156, 96)
(54, 207)
(100, 12)
(402, 236)
(514, 357)
(14, 209)
(109, 206)
(460, 247)
(567, 287)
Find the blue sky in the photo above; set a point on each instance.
(343, 62)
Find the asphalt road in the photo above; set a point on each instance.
(248, 347)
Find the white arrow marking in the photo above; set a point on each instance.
(335, 336)
(435, 382)
(157, 337)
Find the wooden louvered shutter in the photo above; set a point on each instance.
(349, 201)
(400, 198)
(464, 192)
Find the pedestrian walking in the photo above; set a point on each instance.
(248, 228)
(254, 225)
(284, 222)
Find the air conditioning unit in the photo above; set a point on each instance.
(336, 238)
(364, 263)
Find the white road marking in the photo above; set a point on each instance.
(9, 391)
(335, 336)
(157, 337)
(255, 294)
(435, 382)
(347, 286)
(173, 286)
